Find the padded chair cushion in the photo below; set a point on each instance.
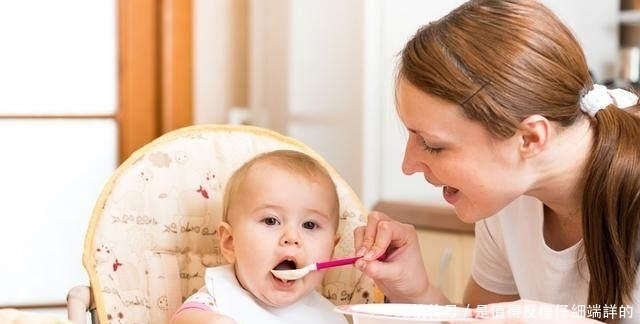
(14, 316)
(153, 230)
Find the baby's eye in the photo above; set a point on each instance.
(309, 225)
(270, 220)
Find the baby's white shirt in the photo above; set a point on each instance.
(234, 301)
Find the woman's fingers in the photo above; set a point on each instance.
(390, 236)
(381, 235)
(358, 240)
(401, 275)
(366, 237)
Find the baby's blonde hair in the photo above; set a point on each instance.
(293, 161)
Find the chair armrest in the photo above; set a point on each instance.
(79, 301)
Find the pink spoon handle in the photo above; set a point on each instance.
(341, 262)
(336, 263)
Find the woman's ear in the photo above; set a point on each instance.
(535, 131)
(225, 235)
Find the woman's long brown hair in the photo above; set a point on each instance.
(504, 60)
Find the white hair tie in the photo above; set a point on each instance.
(600, 97)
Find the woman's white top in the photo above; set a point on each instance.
(512, 258)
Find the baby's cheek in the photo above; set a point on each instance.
(314, 279)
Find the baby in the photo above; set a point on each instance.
(280, 211)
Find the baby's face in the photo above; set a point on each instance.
(280, 218)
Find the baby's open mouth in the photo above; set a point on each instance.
(287, 264)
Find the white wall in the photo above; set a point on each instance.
(399, 22)
(322, 71)
(595, 23)
(220, 58)
(306, 76)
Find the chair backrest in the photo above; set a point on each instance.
(153, 228)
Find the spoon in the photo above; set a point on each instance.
(295, 274)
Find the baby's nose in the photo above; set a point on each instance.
(290, 237)
(290, 241)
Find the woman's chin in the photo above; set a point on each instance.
(468, 214)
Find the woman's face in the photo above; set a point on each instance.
(478, 173)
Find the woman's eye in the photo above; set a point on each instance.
(309, 225)
(271, 221)
(433, 150)
(428, 148)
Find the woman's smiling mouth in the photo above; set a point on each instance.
(450, 194)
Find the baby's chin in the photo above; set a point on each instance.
(271, 292)
(278, 298)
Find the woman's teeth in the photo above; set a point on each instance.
(450, 190)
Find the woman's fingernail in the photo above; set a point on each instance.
(362, 251)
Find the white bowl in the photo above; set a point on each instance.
(403, 313)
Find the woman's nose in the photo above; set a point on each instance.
(409, 164)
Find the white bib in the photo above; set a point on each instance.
(233, 301)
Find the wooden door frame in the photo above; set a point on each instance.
(155, 77)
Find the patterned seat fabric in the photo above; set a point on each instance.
(153, 229)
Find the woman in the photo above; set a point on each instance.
(503, 115)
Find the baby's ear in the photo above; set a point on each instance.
(225, 235)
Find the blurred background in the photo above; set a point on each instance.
(85, 83)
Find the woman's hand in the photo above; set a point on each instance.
(401, 276)
(526, 311)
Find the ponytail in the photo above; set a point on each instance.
(611, 210)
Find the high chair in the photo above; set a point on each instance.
(153, 228)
